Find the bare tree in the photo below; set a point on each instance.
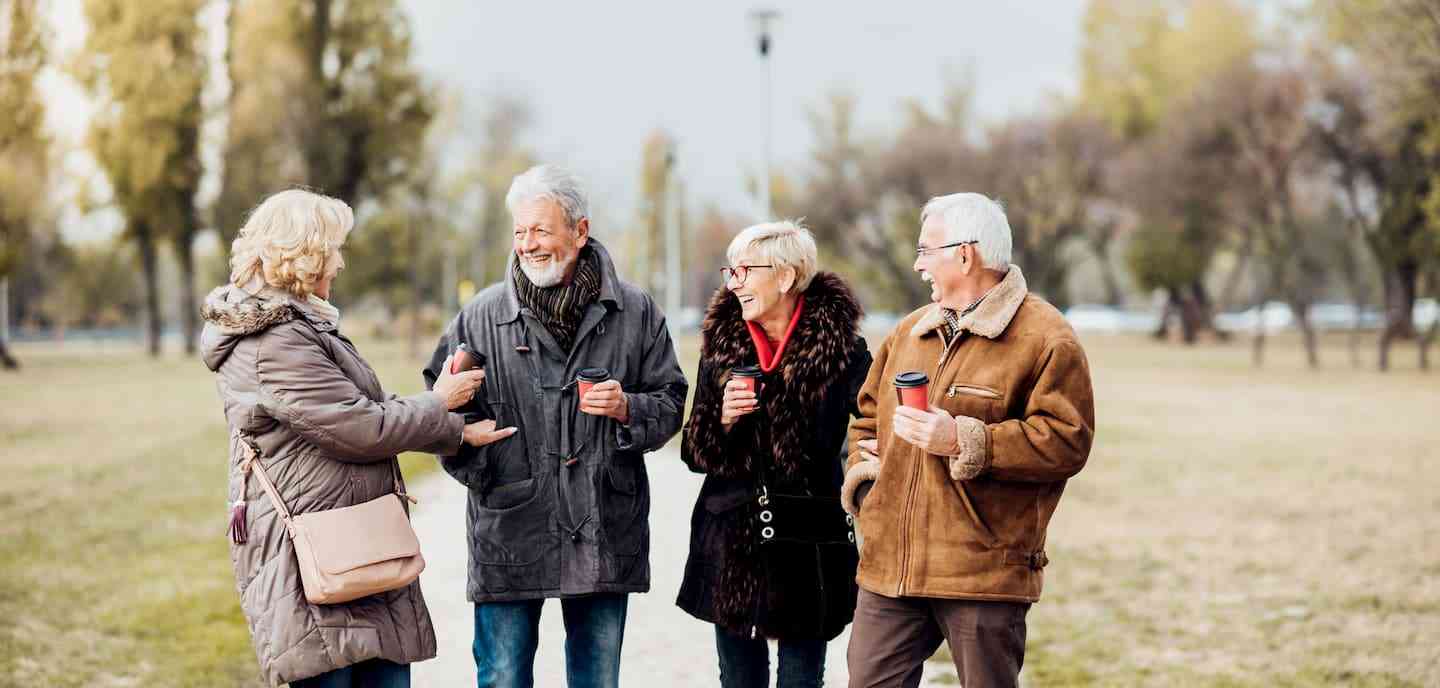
(24, 146)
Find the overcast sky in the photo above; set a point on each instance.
(601, 75)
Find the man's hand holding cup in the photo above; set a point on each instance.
(606, 399)
(933, 430)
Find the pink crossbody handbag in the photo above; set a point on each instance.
(345, 553)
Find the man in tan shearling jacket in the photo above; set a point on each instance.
(954, 527)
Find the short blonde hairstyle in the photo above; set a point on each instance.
(784, 244)
(288, 239)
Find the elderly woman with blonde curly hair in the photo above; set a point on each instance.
(297, 393)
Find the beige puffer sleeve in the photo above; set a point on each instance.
(302, 387)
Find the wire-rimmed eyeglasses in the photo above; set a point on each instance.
(923, 250)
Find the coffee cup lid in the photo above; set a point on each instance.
(593, 374)
(747, 371)
(913, 378)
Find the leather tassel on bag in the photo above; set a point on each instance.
(238, 532)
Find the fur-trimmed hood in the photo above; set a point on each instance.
(231, 314)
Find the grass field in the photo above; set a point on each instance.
(1234, 526)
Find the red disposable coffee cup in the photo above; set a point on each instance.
(750, 375)
(913, 387)
(589, 377)
(462, 360)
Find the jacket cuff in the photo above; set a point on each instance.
(862, 472)
(974, 455)
(635, 435)
(455, 428)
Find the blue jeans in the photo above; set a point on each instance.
(508, 633)
(745, 662)
(372, 673)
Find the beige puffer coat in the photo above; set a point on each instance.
(328, 436)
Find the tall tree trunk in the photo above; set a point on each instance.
(1307, 333)
(1353, 340)
(1185, 311)
(1386, 338)
(1400, 287)
(6, 359)
(145, 239)
(1167, 311)
(1426, 340)
(1205, 311)
(189, 307)
(1257, 343)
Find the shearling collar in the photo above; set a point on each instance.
(990, 318)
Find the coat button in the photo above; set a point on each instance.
(574, 537)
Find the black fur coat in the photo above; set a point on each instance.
(797, 441)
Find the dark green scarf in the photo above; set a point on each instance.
(561, 308)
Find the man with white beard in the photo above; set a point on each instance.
(580, 369)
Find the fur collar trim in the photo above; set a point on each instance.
(234, 312)
(990, 318)
(819, 350)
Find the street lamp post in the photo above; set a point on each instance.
(672, 236)
(763, 20)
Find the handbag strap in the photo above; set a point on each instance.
(252, 462)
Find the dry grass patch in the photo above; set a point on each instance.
(114, 569)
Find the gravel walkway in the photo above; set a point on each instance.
(663, 645)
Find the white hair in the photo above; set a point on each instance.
(974, 217)
(784, 244)
(552, 182)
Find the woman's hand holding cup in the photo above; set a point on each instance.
(739, 400)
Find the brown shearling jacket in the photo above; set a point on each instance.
(972, 526)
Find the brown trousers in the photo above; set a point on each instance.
(892, 637)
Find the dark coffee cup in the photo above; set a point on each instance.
(913, 387)
(589, 377)
(750, 375)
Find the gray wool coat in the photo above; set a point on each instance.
(328, 436)
(561, 508)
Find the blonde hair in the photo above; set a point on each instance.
(784, 244)
(288, 239)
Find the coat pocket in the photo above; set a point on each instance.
(510, 495)
(625, 505)
(973, 400)
(509, 461)
(517, 530)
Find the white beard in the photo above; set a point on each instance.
(548, 276)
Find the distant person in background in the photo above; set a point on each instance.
(800, 331)
(561, 509)
(298, 391)
(963, 490)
